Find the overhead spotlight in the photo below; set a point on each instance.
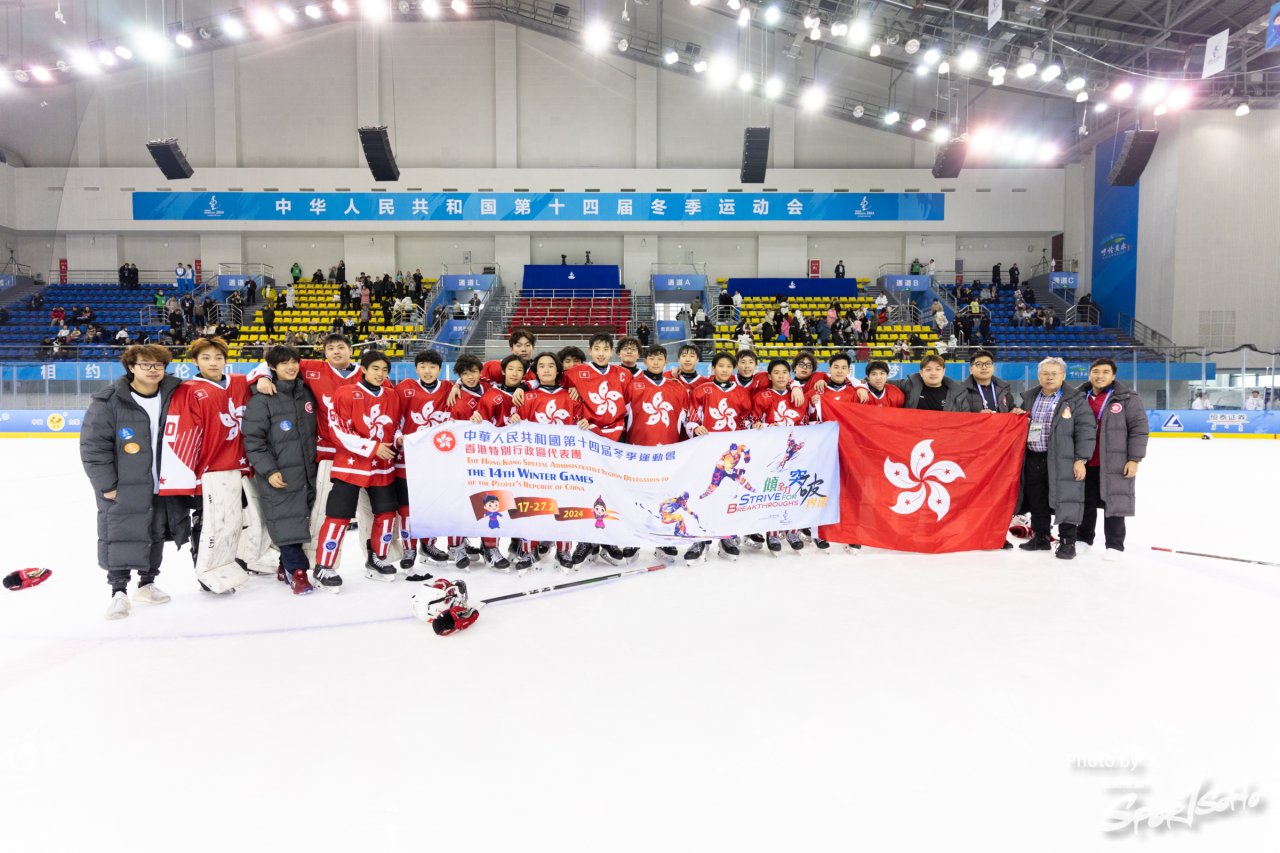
(1153, 93)
(772, 15)
(735, 5)
(1075, 84)
(312, 11)
(721, 71)
(232, 28)
(1100, 107)
(968, 59)
(699, 66)
(1082, 97)
(917, 125)
(124, 52)
(932, 55)
(183, 40)
(695, 2)
(922, 70)
(41, 73)
(596, 36)
(1051, 73)
(859, 31)
(997, 80)
(340, 7)
(374, 10)
(911, 46)
(404, 7)
(941, 135)
(1025, 149)
(21, 76)
(892, 117)
(286, 13)
(204, 33)
(265, 22)
(875, 49)
(86, 63)
(745, 82)
(944, 67)
(1121, 90)
(1047, 152)
(623, 44)
(107, 58)
(1160, 109)
(997, 70)
(813, 98)
(744, 17)
(811, 21)
(840, 28)
(671, 57)
(1026, 69)
(152, 46)
(815, 33)
(1005, 144)
(1242, 110)
(62, 65)
(981, 139)
(458, 6)
(773, 88)
(859, 111)
(1179, 98)
(430, 8)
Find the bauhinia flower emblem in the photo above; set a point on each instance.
(924, 478)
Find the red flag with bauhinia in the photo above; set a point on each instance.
(912, 480)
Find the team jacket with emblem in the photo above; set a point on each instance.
(720, 408)
(833, 397)
(202, 433)
(602, 395)
(550, 406)
(656, 410)
(323, 380)
(363, 419)
(421, 407)
(774, 408)
(496, 405)
(891, 398)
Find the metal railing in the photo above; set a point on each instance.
(1142, 333)
(1082, 315)
(469, 268)
(692, 268)
(109, 277)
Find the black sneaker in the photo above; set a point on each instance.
(1066, 549)
(1007, 546)
(1039, 542)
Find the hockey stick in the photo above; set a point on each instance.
(569, 585)
(1215, 556)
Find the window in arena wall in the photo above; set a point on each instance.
(1218, 329)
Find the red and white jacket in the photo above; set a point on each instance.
(720, 408)
(753, 386)
(363, 419)
(492, 373)
(602, 395)
(832, 397)
(774, 408)
(421, 407)
(496, 405)
(468, 401)
(550, 406)
(677, 375)
(202, 433)
(656, 411)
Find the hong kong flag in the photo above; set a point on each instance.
(927, 481)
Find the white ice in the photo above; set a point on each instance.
(821, 702)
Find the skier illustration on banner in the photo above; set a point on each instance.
(793, 447)
(671, 511)
(727, 468)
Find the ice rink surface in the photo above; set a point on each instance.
(816, 702)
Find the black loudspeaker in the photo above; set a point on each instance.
(170, 159)
(377, 153)
(1133, 157)
(950, 159)
(755, 154)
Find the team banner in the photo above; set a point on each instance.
(927, 481)
(551, 482)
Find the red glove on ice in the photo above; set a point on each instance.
(24, 578)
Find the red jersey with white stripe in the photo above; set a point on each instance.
(720, 408)
(688, 381)
(421, 407)
(656, 410)
(753, 386)
(550, 406)
(363, 419)
(775, 408)
(832, 397)
(323, 379)
(492, 373)
(496, 405)
(202, 433)
(468, 401)
(890, 398)
(601, 392)
(813, 379)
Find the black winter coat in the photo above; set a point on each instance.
(956, 400)
(1072, 434)
(116, 449)
(280, 435)
(1005, 400)
(1123, 436)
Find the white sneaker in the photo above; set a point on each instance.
(119, 608)
(150, 594)
(1111, 555)
(1083, 548)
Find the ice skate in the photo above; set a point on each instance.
(774, 543)
(496, 561)
(755, 540)
(612, 554)
(150, 594)
(729, 549)
(431, 554)
(696, 554)
(630, 554)
(380, 569)
(461, 561)
(408, 558)
(583, 552)
(794, 540)
(667, 553)
(853, 550)
(328, 579)
(523, 563)
(564, 559)
(119, 607)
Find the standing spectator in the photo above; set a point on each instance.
(1015, 275)
(1201, 402)
(473, 305)
(388, 305)
(915, 266)
(251, 291)
(840, 268)
(180, 276)
(1253, 403)
(342, 272)
(984, 328)
(124, 276)
(296, 271)
(366, 295)
(643, 334)
(363, 327)
(269, 318)
(1121, 443)
(737, 306)
(198, 313)
(289, 296)
(344, 296)
(1060, 441)
(932, 269)
(882, 301)
(995, 276)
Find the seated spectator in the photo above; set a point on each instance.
(1050, 319)
(37, 301)
(123, 338)
(744, 339)
(57, 315)
(1028, 295)
(882, 301)
(902, 350)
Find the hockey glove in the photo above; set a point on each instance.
(454, 619)
(24, 578)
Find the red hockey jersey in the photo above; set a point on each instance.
(202, 433)
(891, 398)
(496, 405)
(814, 378)
(421, 408)
(832, 397)
(550, 406)
(676, 376)
(656, 411)
(492, 373)
(775, 408)
(468, 401)
(363, 419)
(602, 395)
(323, 379)
(757, 383)
(720, 408)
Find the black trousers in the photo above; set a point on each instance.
(1035, 496)
(344, 497)
(1112, 525)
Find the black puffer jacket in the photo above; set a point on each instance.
(956, 399)
(280, 435)
(1005, 399)
(116, 449)
(1072, 434)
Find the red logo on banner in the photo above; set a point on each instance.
(815, 268)
(199, 271)
(445, 442)
(62, 271)
(927, 481)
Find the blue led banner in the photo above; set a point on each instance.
(537, 207)
(664, 281)
(467, 282)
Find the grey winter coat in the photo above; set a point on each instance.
(956, 400)
(1071, 437)
(116, 449)
(1123, 436)
(280, 435)
(1005, 399)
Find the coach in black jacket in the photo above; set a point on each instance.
(120, 452)
(280, 441)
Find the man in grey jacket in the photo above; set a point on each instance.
(1110, 475)
(280, 440)
(933, 390)
(1060, 439)
(987, 392)
(120, 452)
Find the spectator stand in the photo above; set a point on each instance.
(675, 287)
(22, 337)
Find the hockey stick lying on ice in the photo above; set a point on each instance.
(1214, 556)
(443, 604)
